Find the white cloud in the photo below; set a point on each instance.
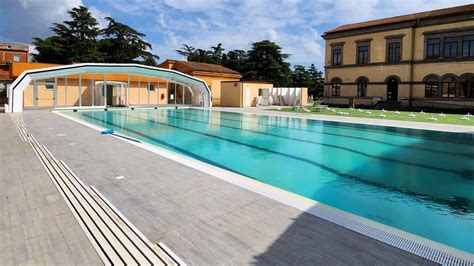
(272, 35)
(100, 16)
(25, 19)
(296, 25)
(172, 39)
(162, 20)
(203, 24)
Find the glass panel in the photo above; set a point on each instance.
(432, 48)
(468, 45)
(337, 56)
(394, 51)
(188, 97)
(336, 88)
(449, 87)
(179, 94)
(450, 47)
(431, 87)
(467, 87)
(363, 54)
(171, 93)
(362, 88)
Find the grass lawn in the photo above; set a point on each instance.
(390, 115)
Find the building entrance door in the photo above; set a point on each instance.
(392, 89)
(110, 94)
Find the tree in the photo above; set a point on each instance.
(317, 87)
(216, 53)
(51, 50)
(186, 50)
(122, 44)
(236, 60)
(301, 77)
(214, 56)
(77, 40)
(266, 62)
(74, 40)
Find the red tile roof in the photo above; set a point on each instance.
(458, 10)
(205, 67)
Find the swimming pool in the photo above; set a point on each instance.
(418, 181)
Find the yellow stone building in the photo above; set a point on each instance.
(212, 74)
(418, 60)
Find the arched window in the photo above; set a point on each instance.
(467, 86)
(431, 87)
(449, 87)
(362, 87)
(336, 86)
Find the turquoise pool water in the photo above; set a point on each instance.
(418, 181)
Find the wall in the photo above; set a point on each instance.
(241, 94)
(420, 38)
(231, 94)
(250, 92)
(378, 71)
(7, 56)
(19, 67)
(377, 47)
(5, 72)
(46, 96)
(46, 99)
(290, 95)
(213, 80)
(214, 84)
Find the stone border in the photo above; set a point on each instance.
(352, 120)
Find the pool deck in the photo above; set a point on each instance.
(357, 120)
(36, 225)
(204, 220)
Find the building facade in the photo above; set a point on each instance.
(212, 74)
(419, 60)
(9, 53)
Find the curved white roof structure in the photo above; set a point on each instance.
(15, 100)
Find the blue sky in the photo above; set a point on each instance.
(296, 25)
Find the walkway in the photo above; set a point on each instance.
(36, 226)
(204, 220)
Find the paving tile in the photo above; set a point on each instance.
(37, 201)
(5, 238)
(33, 262)
(53, 198)
(44, 212)
(59, 207)
(52, 242)
(46, 226)
(74, 234)
(18, 201)
(26, 250)
(6, 255)
(5, 220)
(23, 232)
(57, 257)
(81, 254)
(65, 220)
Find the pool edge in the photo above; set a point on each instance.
(414, 244)
(469, 130)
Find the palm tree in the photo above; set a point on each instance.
(217, 52)
(186, 50)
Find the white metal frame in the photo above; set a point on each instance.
(15, 90)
